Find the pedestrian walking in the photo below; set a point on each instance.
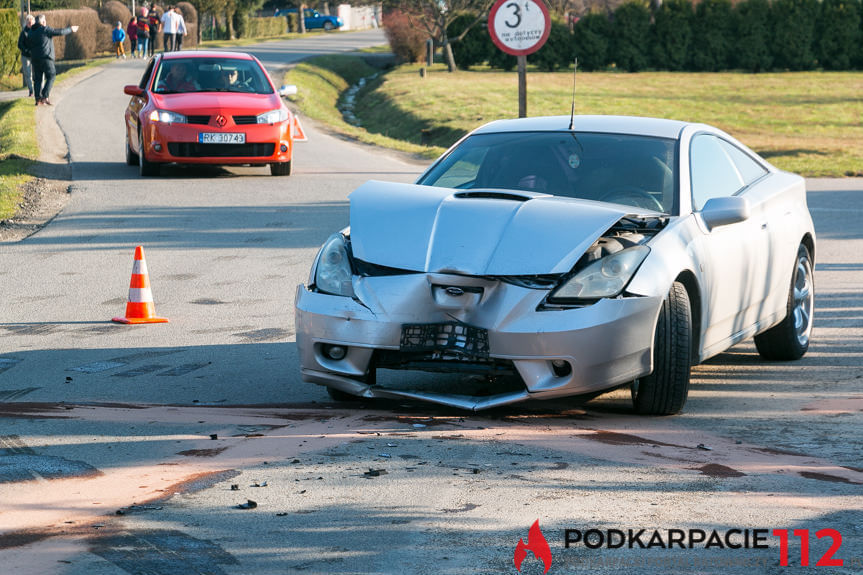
(155, 28)
(40, 41)
(181, 29)
(118, 36)
(169, 29)
(132, 32)
(26, 67)
(143, 27)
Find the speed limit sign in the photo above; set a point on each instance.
(519, 27)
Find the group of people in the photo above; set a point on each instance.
(36, 43)
(143, 31)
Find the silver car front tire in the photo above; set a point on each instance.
(664, 391)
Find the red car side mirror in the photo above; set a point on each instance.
(133, 90)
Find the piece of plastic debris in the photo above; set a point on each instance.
(235, 487)
(375, 472)
(280, 514)
(249, 504)
(419, 425)
(256, 484)
(391, 444)
(384, 455)
(704, 447)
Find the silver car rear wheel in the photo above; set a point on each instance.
(789, 339)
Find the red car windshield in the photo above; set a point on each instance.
(183, 75)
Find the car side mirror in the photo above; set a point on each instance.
(133, 90)
(287, 90)
(723, 211)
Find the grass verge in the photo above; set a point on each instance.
(18, 151)
(19, 148)
(810, 123)
(322, 82)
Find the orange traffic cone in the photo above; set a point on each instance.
(140, 308)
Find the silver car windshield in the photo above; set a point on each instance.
(631, 170)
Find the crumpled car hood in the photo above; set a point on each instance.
(474, 232)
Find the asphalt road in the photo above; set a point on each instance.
(120, 445)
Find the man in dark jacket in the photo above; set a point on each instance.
(40, 40)
(26, 68)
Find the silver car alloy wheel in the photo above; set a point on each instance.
(804, 297)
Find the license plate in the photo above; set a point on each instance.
(221, 138)
(449, 338)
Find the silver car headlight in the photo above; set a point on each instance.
(606, 277)
(333, 274)
(166, 117)
(273, 116)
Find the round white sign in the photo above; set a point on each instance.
(519, 27)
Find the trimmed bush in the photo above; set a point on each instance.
(114, 11)
(557, 52)
(591, 40)
(711, 27)
(263, 27)
(190, 14)
(501, 60)
(10, 57)
(475, 48)
(793, 33)
(838, 33)
(672, 35)
(752, 26)
(293, 22)
(630, 36)
(406, 41)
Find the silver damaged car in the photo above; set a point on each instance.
(558, 256)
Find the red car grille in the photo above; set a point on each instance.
(203, 120)
(196, 150)
(245, 120)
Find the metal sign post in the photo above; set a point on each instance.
(519, 27)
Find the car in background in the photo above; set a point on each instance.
(562, 256)
(314, 19)
(207, 108)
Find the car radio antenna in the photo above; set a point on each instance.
(572, 109)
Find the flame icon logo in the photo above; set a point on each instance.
(537, 544)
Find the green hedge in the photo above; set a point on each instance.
(247, 27)
(714, 35)
(10, 57)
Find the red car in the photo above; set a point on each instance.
(207, 108)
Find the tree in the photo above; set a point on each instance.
(672, 35)
(591, 41)
(752, 26)
(793, 33)
(631, 36)
(712, 27)
(838, 33)
(435, 17)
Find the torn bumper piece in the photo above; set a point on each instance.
(556, 353)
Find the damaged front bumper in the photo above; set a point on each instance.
(556, 352)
